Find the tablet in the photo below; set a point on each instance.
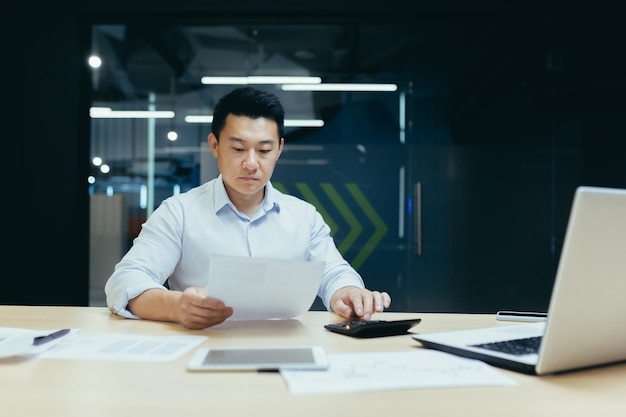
(258, 359)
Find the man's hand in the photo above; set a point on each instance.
(354, 301)
(192, 308)
(196, 310)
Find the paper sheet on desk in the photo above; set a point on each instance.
(124, 347)
(25, 337)
(264, 288)
(382, 371)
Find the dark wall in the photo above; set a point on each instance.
(49, 219)
(46, 146)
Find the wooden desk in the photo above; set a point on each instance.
(50, 387)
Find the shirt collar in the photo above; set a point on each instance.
(221, 197)
(270, 201)
(222, 200)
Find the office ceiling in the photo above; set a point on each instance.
(486, 63)
(169, 60)
(142, 58)
(145, 58)
(481, 56)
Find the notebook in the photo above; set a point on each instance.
(586, 319)
(264, 288)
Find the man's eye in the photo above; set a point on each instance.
(265, 150)
(238, 149)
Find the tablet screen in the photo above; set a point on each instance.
(271, 358)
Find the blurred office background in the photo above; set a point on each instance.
(449, 186)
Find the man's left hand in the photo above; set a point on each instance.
(359, 302)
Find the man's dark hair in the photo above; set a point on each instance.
(251, 102)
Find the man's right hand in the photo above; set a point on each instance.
(196, 310)
(192, 308)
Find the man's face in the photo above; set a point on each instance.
(247, 152)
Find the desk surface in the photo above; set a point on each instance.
(50, 387)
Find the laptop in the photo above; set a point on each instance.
(264, 288)
(586, 321)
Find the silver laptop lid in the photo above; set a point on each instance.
(587, 312)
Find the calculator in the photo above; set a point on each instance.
(373, 328)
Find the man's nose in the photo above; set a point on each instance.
(250, 162)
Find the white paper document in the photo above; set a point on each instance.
(124, 347)
(263, 288)
(381, 371)
(16, 341)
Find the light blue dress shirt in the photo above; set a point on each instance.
(177, 239)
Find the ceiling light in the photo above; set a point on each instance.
(304, 123)
(288, 122)
(339, 87)
(198, 119)
(94, 61)
(108, 113)
(261, 80)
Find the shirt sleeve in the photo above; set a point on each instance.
(338, 273)
(149, 262)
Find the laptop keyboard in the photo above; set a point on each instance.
(525, 346)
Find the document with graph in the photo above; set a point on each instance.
(383, 371)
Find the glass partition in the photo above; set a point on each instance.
(346, 139)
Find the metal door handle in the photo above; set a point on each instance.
(418, 217)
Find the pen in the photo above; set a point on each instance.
(40, 340)
(532, 316)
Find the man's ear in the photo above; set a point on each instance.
(213, 144)
(281, 144)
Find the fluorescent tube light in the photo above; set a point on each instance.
(108, 113)
(261, 80)
(304, 123)
(339, 87)
(288, 122)
(224, 80)
(198, 119)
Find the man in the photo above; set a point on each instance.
(237, 213)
